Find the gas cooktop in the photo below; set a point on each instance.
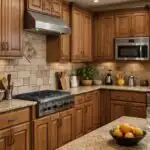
(49, 101)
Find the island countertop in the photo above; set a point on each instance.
(100, 139)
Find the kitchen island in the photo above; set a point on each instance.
(100, 139)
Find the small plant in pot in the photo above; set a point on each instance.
(86, 74)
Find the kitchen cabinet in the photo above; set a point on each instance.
(58, 48)
(79, 122)
(88, 116)
(124, 103)
(81, 35)
(11, 31)
(66, 131)
(42, 134)
(104, 37)
(105, 107)
(50, 7)
(21, 137)
(132, 23)
(96, 109)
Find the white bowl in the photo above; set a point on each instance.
(98, 82)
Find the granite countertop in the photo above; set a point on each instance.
(100, 139)
(9, 105)
(84, 89)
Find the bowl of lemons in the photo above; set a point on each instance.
(127, 135)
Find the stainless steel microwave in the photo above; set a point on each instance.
(132, 48)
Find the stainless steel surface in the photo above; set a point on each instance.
(131, 81)
(41, 23)
(138, 41)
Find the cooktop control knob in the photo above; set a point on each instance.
(55, 106)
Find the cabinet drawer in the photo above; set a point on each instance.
(128, 96)
(14, 118)
(89, 96)
(79, 99)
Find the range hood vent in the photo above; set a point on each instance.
(37, 22)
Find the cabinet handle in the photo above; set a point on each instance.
(12, 140)
(8, 140)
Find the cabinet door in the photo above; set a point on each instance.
(104, 36)
(123, 25)
(56, 7)
(140, 24)
(136, 110)
(36, 5)
(66, 130)
(76, 53)
(4, 139)
(96, 109)
(118, 109)
(105, 107)
(65, 39)
(87, 37)
(21, 137)
(54, 131)
(47, 6)
(42, 134)
(79, 121)
(88, 116)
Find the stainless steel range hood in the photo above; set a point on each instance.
(36, 22)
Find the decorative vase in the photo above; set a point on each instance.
(86, 82)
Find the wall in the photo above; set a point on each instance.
(140, 70)
(31, 72)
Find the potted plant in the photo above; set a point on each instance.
(86, 74)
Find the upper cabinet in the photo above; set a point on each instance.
(81, 35)
(58, 48)
(11, 31)
(50, 7)
(132, 24)
(103, 37)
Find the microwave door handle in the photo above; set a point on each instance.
(140, 51)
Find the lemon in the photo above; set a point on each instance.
(117, 133)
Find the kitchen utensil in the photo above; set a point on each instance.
(63, 80)
(2, 94)
(127, 141)
(9, 81)
(4, 83)
(74, 82)
(108, 79)
(131, 81)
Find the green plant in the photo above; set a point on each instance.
(86, 73)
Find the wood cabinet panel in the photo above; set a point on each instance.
(136, 110)
(4, 139)
(54, 131)
(79, 99)
(88, 116)
(140, 24)
(118, 109)
(104, 37)
(36, 5)
(56, 7)
(105, 107)
(21, 137)
(47, 8)
(65, 39)
(96, 109)
(67, 122)
(79, 122)
(42, 134)
(123, 25)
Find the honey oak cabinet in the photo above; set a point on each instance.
(58, 48)
(96, 109)
(103, 37)
(81, 35)
(11, 31)
(50, 7)
(132, 23)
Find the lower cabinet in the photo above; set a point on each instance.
(119, 108)
(15, 138)
(54, 131)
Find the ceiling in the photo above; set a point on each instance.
(107, 4)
